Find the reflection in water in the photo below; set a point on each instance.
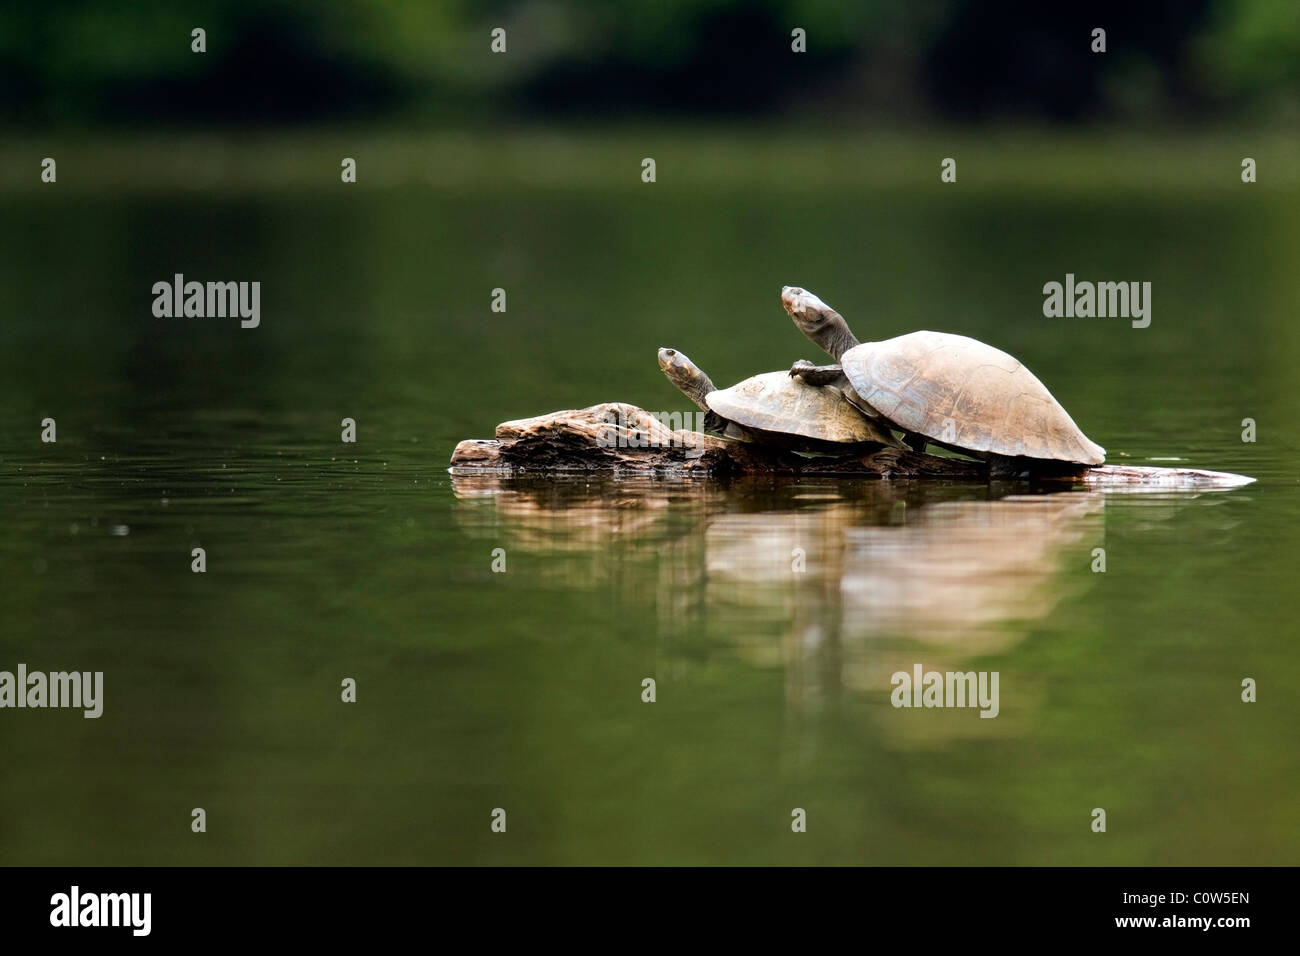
(958, 570)
(839, 583)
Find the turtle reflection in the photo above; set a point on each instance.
(815, 563)
(907, 580)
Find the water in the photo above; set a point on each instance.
(522, 690)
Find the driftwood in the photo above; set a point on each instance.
(617, 438)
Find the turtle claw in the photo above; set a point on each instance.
(817, 375)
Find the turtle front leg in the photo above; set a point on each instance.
(815, 374)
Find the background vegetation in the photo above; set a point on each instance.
(96, 62)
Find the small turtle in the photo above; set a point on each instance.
(775, 407)
(953, 391)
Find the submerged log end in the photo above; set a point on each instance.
(1152, 478)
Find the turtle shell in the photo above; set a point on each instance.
(776, 403)
(960, 392)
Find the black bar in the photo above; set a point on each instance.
(927, 904)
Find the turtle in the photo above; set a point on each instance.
(777, 408)
(949, 390)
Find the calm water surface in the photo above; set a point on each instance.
(522, 690)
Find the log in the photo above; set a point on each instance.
(620, 439)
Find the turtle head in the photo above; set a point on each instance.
(686, 375)
(817, 320)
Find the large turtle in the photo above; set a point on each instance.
(947, 389)
(775, 407)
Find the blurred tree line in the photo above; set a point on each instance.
(277, 61)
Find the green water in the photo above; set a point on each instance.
(522, 690)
